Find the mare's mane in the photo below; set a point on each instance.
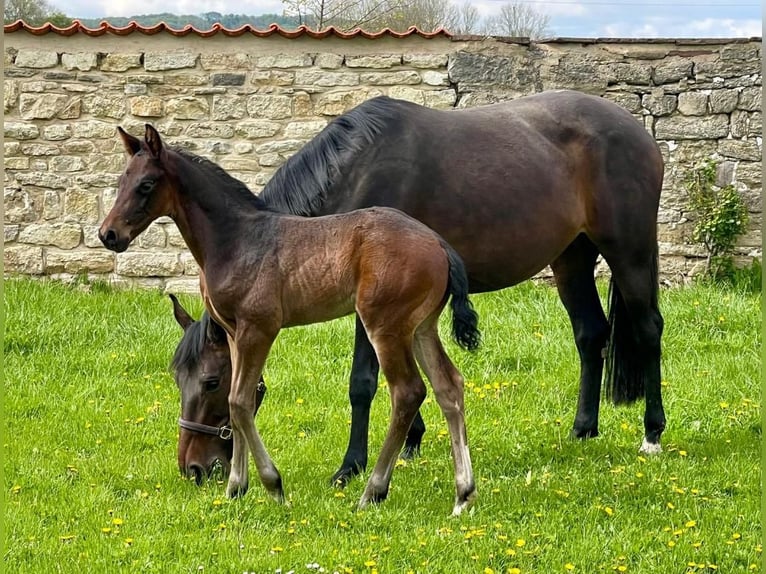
(224, 178)
(301, 184)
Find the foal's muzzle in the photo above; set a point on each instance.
(112, 241)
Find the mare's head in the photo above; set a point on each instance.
(202, 370)
(145, 191)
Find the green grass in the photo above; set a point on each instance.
(91, 483)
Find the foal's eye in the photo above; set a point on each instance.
(211, 385)
(146, 186)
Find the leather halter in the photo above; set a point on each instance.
(224, 432)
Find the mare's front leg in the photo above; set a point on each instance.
(249, 350)
(362, 388)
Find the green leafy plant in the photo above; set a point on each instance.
(721, 218)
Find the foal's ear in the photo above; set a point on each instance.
(132, 145)
(153, 141)
(182, 317)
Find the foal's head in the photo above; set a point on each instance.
(145, 191)
(202, 370)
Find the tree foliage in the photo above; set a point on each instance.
(34, 13)
(518, 20)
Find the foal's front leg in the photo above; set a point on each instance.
(249, 350)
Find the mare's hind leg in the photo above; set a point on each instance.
(407, 394)
(362, 387)
(573, 271)
(637, 333)
(447, 383)
(248, 351)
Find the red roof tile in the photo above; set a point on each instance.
(105, 28)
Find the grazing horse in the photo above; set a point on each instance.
(202, 370)
(555, 178)
(265, 271)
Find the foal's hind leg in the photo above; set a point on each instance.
(249, 350)
(407, 394)
(447, 383)
(362, 388)
(573, 271)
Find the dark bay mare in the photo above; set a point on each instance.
(264, 271)
(555, 178)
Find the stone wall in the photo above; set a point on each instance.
(248, 103)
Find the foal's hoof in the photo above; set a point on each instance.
(464, 502)
(584, 432)
(236, 490)
(650, 448)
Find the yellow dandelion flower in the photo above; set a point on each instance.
(569, 566)
(118, 521)
(301, 434)
(276, 549)
(510, 552)
(671, 543)
(128, 542)
(299, 401)
(608, 510)
(106, 530)
(691, 524)
(16, 489)
(736, 536)
(339, 494)
(671, 506)
(488, 570)
(217, 502)
(370, 563)
(520, 542)
(514, 571)
(622, 568)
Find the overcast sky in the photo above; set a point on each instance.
(585, 18)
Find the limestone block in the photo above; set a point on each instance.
(692, 103)
(723, 101)
(53, 206)
(328, 61)
(337, 102)
(153, 236)
(94, 129)
(29, 58)
(672, 70)
(229, 108)
(16, 163)
(284, 61)
(635, 73)
(425, 60)
(305, 130)
(692, 127)
(147, 107)
(376, 61)
(26, 259)
(228, 79)
(658, 103)
(160, 61)
(206, 130)
(81, 205)
(740, 149)
(79, 261)
(433, 78)
(174, 237)
(42, 106)
(440, 99)
(20, 131)
(10, 233)
(189, 286)
(118, 62)
(90, 237)
(405, 77)
(63, 235)
(415, 95)
(627, 100)
(57, 132)
(750, 99)
(67, 163)
(188, 108)
(79, 61)
(272, 78)
(273, 107)
(19, 206)
(326, 79)
(103, 105)
(10, 95)
(255, 129)
(220, 61)
(148, 264)
(745, 123)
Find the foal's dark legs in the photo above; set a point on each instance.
(573, 271)
(362, 388)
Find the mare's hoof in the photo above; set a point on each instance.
(410, 451)
(583, 433)
(464, 502)
(344, 475)
(650, 448)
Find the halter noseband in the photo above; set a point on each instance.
(224, 432)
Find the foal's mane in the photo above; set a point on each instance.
(300, 186)
(189, 350)
(224, 178)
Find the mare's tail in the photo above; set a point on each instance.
(624, 369)
(465, 321)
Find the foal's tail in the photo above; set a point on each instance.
(624, 369)
(465, 321)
